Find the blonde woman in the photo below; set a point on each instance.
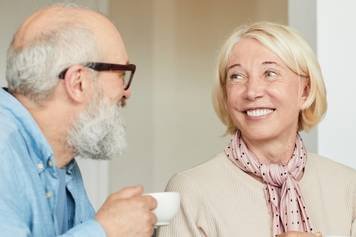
(265, 183)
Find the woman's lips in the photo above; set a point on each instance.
(259, 112)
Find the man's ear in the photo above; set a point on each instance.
(75, 84)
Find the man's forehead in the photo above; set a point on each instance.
(42, 21)
(52, 18)
(115, 55)
(109, 42)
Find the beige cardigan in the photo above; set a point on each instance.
(218, 199)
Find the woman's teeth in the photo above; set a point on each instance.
(258, 112)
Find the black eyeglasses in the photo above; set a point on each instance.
(127, 75)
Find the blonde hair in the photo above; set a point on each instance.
(294, 51)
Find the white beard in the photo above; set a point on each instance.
(99, 132)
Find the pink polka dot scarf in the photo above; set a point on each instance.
(282, 190)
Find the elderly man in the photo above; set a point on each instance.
(68, 75)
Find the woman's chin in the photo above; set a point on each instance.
(259, 134)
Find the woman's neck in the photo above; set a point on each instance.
(273, 151)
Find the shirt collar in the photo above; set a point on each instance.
(70, 167)
(27, 126)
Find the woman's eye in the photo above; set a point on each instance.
(271, 74)
(236, 77)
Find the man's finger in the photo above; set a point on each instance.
(129, 192)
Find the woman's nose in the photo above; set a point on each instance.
(255, 88)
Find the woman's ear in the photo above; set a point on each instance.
(75, 84)
(305, 90)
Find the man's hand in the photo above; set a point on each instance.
(299, 234)
(127, 213)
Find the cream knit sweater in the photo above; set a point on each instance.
(218, 199)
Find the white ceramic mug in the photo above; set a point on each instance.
(167, 206)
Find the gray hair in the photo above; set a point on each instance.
(32, 70)
(99, 132)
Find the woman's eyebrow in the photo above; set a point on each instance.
(271, 63)
(234, 65)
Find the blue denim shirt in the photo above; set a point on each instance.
(29, 181)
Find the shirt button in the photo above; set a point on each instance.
(50, 163)
(49, 194)
(40, 166)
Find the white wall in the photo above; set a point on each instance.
(306, 26)
(336, 42)
(170, 119)
(329, 27)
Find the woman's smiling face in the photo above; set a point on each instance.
(264, 97)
